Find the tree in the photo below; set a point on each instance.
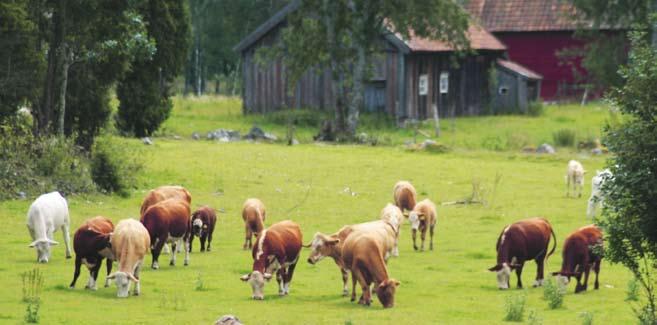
(21, 63)
(630, 220)
(144, 91)
(342, 34)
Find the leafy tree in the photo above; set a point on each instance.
(144, 92)
(630, 221)
(21, 63)
(342, 34)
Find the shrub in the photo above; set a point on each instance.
(515, 307)
(64, 164)
(587, 318)
(632, 290)
(553, 293)
(564, 138)
(114, 167)
(495, 143)
(535, 108)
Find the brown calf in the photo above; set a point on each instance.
(168, 221)
(253, 214)
(91, 244)
(520, 242)
(405, 196)
(579, 254)
(422, 217)
(162, 193)
(203, 222)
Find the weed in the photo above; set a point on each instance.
(32, 312)
(535, 108)
(199, 284)
(515, 307)
(32, 285)
(564, 137)
(587, 318)
(553, 293)
(533, 318)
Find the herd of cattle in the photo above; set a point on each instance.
(360, 249)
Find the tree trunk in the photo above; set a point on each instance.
(65, 58)
(357, 92)
(654, 25)
(236, 74)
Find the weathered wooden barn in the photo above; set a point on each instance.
(409, 76)
(516, 87)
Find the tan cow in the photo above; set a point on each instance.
(393, 215)
(253, 214)
(422, 217)
(363, 254)
(130, 243)
(405, 196)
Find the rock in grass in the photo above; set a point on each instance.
(147, 141)
(196, 136)
(546, 148)
(228, 320)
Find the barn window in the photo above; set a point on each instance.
(503, 90)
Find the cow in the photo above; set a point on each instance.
(162, 193)
(393, 215)
(520, 242)
(422, 217)
(331, 245)
(277, 250)
(404, 196)
(91, 244)
(203, 222)
(253, 214)
(575, 176)
(363, 254)
(130, 242)
(597, 197)
(581, 252)
(168, 221)
(48, 213)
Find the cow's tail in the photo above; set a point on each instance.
(554, 245)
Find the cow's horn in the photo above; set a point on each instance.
(132, 277)
(307, 246)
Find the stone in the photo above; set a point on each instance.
(196, 136)
(147, 141)
(546, 148)
(596, 151)
(224, 135)
(228, 320)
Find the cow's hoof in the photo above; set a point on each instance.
(71, 287)
(345, 293)
(91, 288)
(202, 250)
(68, 256)
(172, 263)
(352, 299)
(107, 285)
(186, 263)
(136, 293)
(207, 250)
(155, 266)
(415, 247)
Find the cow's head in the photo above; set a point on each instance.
(198, 227)
(257, 281)
(122, 280)
(415, 218)
(322, 246)
(43, 249)
(386, 292)
(503, 273)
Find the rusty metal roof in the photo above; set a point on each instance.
(479, 38)
(525, 15)
(517, 68)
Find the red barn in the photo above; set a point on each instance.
(534, 31)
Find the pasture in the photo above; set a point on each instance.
(323, 187)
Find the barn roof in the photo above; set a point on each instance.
(517, 68)
(525, 15)
(268, 25)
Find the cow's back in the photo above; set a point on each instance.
(362, 248)
(404, 195)
(88, 234)
(381, 230)
(163, 193)
(130, 241)
(531, 235)
(288, 233)
(49, 209)
(171, 216)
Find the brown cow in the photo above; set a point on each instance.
(579, 254)
(422, 217)
(277, 250)
(253, 214)
(130, 243)
(91, 243)
(405, 196)
(162, 193)
(363, 254)
(203, 222)
(168, 221)
(520, 242)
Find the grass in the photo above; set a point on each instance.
(450, 285)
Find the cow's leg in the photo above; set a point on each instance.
(519, 275)
(583, 285)
(280, 278)
(345, 278)
(191, 241)
(76, 273)
(67, 239)
(353, 285)
(137, 290)
(188, 248)
(431, 237)
(423, 235)
(165, 249)
(109, 271)
(365, 289)
(568, 186)
(202, 240)
(247, 238)
(414, 238)
(288, 277)
(93, 274)
(156, 252)
(540, 266)
(209, 241)
(596, 269)
(174, 250)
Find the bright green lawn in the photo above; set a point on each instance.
(307, 183)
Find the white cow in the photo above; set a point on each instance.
(130, 242)
(393, 215)
(48, 213)
(597, 197)
(575, 176)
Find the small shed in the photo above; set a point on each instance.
(516, 87)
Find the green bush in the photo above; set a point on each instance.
(587, 318)
(114, 167)
(535, 108)
(553, 293)
(494, 143)
(564, 138)
(515, 307)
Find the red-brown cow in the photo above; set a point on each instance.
(253, 214)
(363, 253)
(168, 221)
(405, 196)
(277, 250)
(165, 192)
(580, 254)
(203, 222)
(520, 242)
(92, 244)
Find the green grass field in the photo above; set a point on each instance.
(323, 187)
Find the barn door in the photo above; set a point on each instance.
(375, 97)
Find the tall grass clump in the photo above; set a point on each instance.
(587, 318)
(553, 293)
(514, 307)
(32, 286)
(114, 167)
(535, 108)
(533, 318)
(564, 137)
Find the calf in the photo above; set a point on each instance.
(580, 253)
(48, 213)
(404, 195)
(168, 221)
(91, 243)
(597, 197)
(363, 254)
(422, 217)
(520, 242)
(575, 176)
(277, 250)
(130, 243)
(203, 222)
(253, 214)
(331, 245)
(394, 216)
